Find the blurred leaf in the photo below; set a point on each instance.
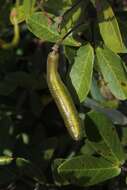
(87, 148)
(20, 15)
(7, 87)
(42, 152)
(103, 137)
(35, 103)
(124, 135)
(59, 180)
(28, 169)
(28, 6)
(70, 53)
(58, 7)
(114, 115)
(7, 175)
(22, 79)
(39, 25)
(113, 72)
(5, 160)
(6, 135)
(4, 14)
(87, 170)
(82, 70)
(95, 91)
(49, 147)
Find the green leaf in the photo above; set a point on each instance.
(109, 27)
(57, 7)
(39, 25)
(124, 135)
(88, 170)
(20, 15)
(28, 6)
(111, 66)
(72, 16)
(111, 112)
(95, 91)
(103, 137)
(81, 72)
(59, 180)
(49, 147)
(70, 53)
(87, 148)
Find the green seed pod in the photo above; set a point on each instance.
(62, 97)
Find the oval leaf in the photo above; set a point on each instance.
(39, 25)
(81, 72)
(109, 27)
(103, 137)
(111, 66)
(88, 170)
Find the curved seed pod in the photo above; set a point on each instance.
(62, 97)
(16, 37)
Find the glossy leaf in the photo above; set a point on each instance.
(88, 170)
(109, 27)
(39, 25)
(111, 66)
(81, 71)
(103, 137)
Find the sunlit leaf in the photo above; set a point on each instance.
(109, 27)
(39, 25)
(81, 71)
(111, 66)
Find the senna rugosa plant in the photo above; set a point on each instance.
(83, 89)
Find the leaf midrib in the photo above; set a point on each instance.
(46, 28)
(93, 169)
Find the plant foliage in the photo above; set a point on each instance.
(35, 148)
